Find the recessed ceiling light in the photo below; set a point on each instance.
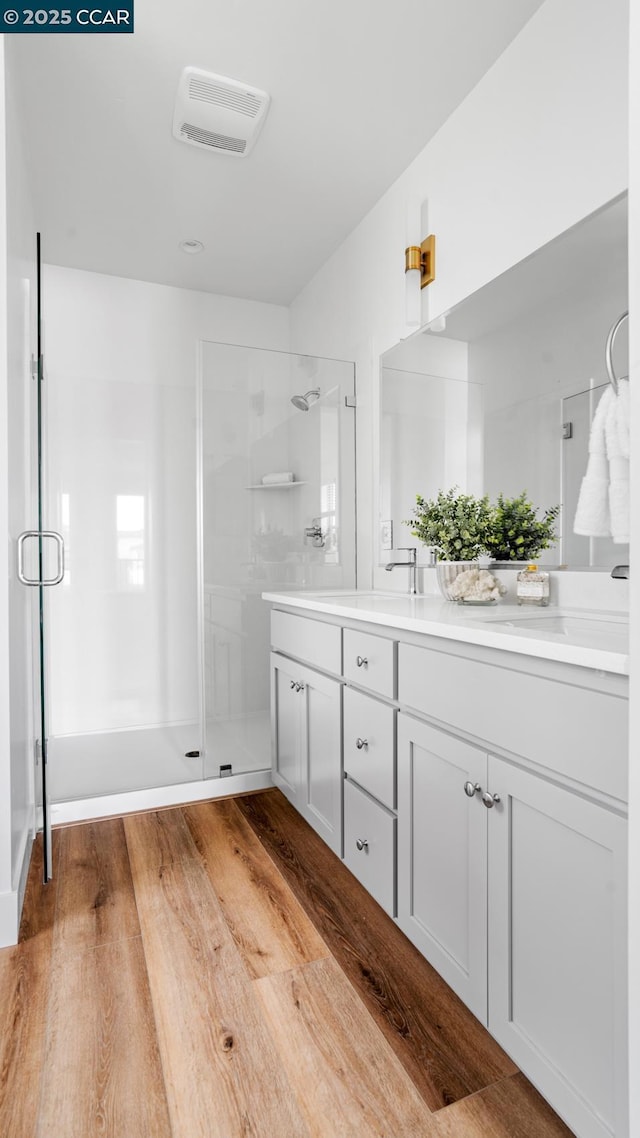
(191, 246)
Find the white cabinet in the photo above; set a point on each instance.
(557, 937)
(501, 867)
(442, 856)
(306, 744)
(370, 845)
(370, 745)
(314, 641)
(370, 662)
(286, 728)
(505, 863)
(560, 721)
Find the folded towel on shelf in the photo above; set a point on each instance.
(277, 478)
(593, 518)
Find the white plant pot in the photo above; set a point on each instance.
(446, 573)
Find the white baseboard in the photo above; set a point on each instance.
(134, 801)
(9, 920)
(11, 903)
(25, 862)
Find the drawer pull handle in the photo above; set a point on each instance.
(362, 844)
(360, 743)
(292, 684)
(471, 788)
(362, 661)
(489, 800)
(299, 687)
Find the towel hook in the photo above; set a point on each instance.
(613, 379)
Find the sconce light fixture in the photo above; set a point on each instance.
(423, 258)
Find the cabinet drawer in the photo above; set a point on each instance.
(369, 745)
(370, 825)
(370, 662)
(579, 733)
(314, 641)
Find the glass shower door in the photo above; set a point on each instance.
(123, 653)
(41, 565)
(278, 513)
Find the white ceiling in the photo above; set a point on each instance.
(358, 88)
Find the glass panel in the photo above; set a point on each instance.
(278, 507)
(124, 644)
(43, 749)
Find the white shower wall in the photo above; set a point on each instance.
(120, 363)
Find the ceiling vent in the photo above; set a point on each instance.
(218, 114)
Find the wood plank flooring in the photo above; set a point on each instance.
(213, 971)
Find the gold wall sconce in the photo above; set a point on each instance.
(423, 258)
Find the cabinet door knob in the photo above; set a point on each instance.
(360, 743)
(361, 661)
(362, 844)
(292, 684)
(471, 788)
(299, 687)
(489, 800)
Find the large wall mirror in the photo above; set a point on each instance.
(499, 395)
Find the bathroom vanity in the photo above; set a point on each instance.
(470, 767)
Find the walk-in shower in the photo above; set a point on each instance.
(181, 498)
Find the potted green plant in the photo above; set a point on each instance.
(455, 526)
(516, 533)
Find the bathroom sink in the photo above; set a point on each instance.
(599, 630)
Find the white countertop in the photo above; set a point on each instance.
(588, 638)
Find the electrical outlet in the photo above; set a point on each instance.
(386, 534)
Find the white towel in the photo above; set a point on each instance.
(623, 416)
(603, 504)
(277, 478)
(593, 517)
(617, 441)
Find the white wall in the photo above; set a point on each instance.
(16, 505)
(634, 690)
(537, 145)
(5, 720)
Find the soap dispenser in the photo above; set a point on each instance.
(532, 587)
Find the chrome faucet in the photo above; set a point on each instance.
(621, 571)
(411, 565)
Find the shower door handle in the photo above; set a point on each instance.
(59, 541)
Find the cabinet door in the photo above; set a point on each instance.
(557, 941)
(321, 699)
(442, 856)
(286, 727)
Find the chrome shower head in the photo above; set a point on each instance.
(303, 402)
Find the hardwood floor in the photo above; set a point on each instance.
(213, 971)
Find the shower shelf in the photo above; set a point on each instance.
(275, 485)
